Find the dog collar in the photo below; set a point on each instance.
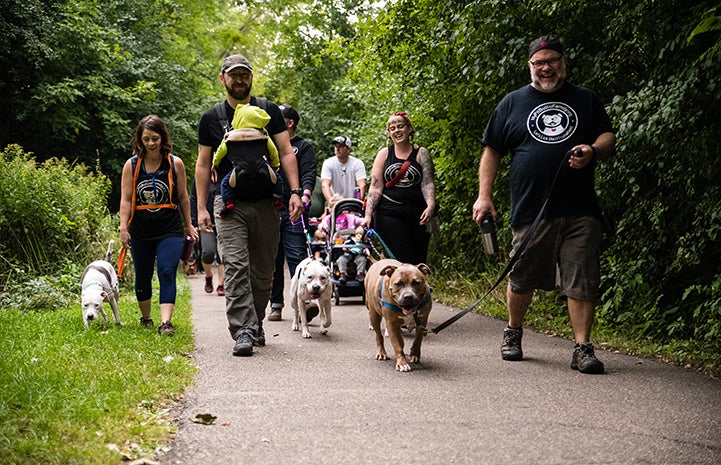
(397, 309)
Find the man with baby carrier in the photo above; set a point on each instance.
(248, 235)
(550, 126)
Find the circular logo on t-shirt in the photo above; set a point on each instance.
(153, 192)
(552, 122)
(411, 177)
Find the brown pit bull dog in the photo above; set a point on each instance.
(400, 294)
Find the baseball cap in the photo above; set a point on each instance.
(235, 61)
(545, 42)
(290, 113)
(342, 140)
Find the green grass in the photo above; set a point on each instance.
(548, 314)
(71, 396)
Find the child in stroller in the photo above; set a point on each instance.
(318, 246)
(355, 251)
(345, 217)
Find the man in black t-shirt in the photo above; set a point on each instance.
(248, 236)
(538, 124)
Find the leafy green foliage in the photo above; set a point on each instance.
(50, 213)
(92, 70)
(662, 192)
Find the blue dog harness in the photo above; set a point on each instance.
(397, 309)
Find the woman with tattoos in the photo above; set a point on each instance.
(402, 195)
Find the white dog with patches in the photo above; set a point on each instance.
(99, 285)
(310, 292)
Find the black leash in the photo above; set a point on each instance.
(526, 239)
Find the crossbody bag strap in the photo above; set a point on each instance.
(401, 172)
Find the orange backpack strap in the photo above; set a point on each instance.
(133, 201)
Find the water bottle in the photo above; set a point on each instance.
(187, 252)
(490, 243)
(356, 193)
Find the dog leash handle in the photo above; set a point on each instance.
(121, 260)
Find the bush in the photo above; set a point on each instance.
(51, 214)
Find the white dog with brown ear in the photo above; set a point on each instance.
(400, 294)
(99, 285)
(310, 291)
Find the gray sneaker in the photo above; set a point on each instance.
(511, 348)
(584, 359)
(243, 345)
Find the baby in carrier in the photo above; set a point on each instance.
(248, 124)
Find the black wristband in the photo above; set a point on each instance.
(596, 151)
(298, 192)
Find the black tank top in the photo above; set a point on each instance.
(154, 189)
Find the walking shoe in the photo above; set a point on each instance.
(209, 284)
(259, 340)
(343, 278)
(511, 348)
(243, 345)
(146, 321)
(276, 309)
(166, 329)
(584, 359)
(221, 290)
(311, 313)
(361, 277)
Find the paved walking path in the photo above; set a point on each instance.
(327, 400)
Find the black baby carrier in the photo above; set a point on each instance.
(252, 177)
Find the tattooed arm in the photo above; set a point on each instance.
(375, 191)
(428, 186)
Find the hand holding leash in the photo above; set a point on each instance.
(580, 158)
(295, 207)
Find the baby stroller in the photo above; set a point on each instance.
(337, 235)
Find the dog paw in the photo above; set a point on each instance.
(381, 356)
(414, 359)
(306, 334)
(403, 367)
(295, 327)
(324, 331)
